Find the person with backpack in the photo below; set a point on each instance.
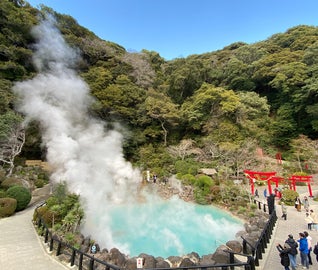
(283, 253)
(292, 253)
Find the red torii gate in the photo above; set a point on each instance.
(301, 178)
(277, 179)
(260, 176)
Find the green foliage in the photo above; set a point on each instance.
(289, 196)
(203, 185)
(188, 179)
(7, 206)
(45, 214)
(21, 194)
(2, 194)
(228, 102)
(39, 183)
(10, 182)
(186, 167)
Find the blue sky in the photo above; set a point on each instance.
(178, 28)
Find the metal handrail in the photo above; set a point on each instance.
(252, 259)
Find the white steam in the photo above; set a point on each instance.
(79, 149)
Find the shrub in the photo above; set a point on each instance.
(10, 182)
(7, 207)
(289, 196)
(46, 215)
(3, 194)
(21, 194)
(39, 183)
(188, 179)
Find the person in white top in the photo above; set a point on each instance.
(309, 240)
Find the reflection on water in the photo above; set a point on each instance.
(171, 228)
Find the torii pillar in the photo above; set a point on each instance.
(260, 176)
(301, 178)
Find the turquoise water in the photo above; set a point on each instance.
(172, 228)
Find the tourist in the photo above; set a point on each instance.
(298, 204)
(306, 203)
(256, 193)
(303, 250)
(314, 218)
(292, 253)
(309, 221)
(315, 251)
(284, 211)
(309, 241)
(265, 193)
(283, 253)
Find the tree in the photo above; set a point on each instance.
(160, 107)
(142, 70)
(209, 102)
(185, 148)
(12, 138)
(304, 149)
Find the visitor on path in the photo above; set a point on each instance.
(292, 253)
(283, 253)
(309, 241)
(265, 193)
(303, 250)
(314, 219)
(309, 221)
(256, 193)
(315, 251)
(298, 204)
(306, 203)
(284, 211)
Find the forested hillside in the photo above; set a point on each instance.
(211, 110)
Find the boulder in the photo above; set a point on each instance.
(206, 260)
(193, 256)
(131, 264)
(186, 262)
(220, 256)
(149, 260)
(161, 263)
(116, 257)
(235, 246)
(174, 261)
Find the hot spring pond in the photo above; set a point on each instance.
(171, 228)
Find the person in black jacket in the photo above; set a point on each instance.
(283, 253)
(315, 251)
(292, 251)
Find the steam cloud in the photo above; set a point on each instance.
(79, 149)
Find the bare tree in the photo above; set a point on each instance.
(12, 139)
(142, 70)
(185, 148)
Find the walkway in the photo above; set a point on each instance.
(21, 248)
(294, 224)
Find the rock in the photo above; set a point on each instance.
(85, 245)
(207, 260)
(149, 261)
(193, 256)
(175, 261)
(161, 263)
(220, 256)
(131, 264)
(186, 262)
(235, 246)
(117, 257)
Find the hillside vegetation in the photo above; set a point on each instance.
(213, 110)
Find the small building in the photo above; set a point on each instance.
(208, 171)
